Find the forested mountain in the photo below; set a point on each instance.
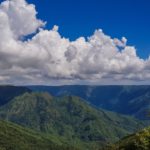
(64, 121)
(130, 100)
(14, 137)
(137, 141)
(70, 118)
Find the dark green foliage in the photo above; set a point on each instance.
(69, 119)
(138, 141)
(14, 137)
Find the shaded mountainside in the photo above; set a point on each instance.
(14, 137)
(137, 141)
(70, 118)
(130, 100)
(8, 92)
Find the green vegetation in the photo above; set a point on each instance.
(14, 137)
(138, 141)
(68, 120)
(129, 100)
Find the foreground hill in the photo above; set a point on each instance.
(14, 137)
(138, 141)
(130, 100)
(69, 118)
(8, 92)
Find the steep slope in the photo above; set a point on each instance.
(14, 137)
(138, 141)
(8, 92)
(68, 117)
(130, 100)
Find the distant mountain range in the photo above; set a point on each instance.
(8, 92)
(69, 119)
(129, 100)
(38, 120)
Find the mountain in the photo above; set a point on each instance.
(69, 118)
(137, 141)
(129, 100)
(14, 137)
(8, 92)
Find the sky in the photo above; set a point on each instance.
(117, 18)
(74, 42)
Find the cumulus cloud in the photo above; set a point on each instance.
(21, 16)
(49, 58)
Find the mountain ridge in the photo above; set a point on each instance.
(8, 92)
(129, 100)
(68, 117)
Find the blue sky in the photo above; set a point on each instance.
(117, 18)
(59, 52)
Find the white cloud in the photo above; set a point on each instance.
(121, 43)
(48, 58)
(21, 17)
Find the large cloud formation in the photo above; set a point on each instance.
(48, 58)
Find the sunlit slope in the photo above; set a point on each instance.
(14, 137)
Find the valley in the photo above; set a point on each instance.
(65, 120)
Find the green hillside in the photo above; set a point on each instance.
(68, 118)
(14, 137)
(138, 141)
